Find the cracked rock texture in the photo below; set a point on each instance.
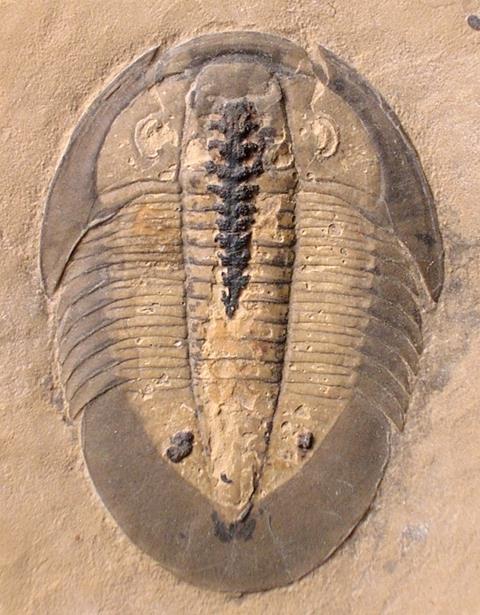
(418, 551)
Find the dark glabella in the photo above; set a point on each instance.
(239, 245)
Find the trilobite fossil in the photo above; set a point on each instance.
(239, 244)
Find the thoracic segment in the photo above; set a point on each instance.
(235, 211)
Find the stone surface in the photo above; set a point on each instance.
(418, 549)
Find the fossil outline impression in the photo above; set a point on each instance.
(239, 246)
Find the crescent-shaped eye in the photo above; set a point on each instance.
(327, 135)
(151, 135)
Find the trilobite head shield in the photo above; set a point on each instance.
(238, 244)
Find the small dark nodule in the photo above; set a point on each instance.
(305, 441)
(225, 478)
(182, 445)
(474, 22)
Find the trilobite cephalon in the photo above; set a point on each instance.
(239, 244)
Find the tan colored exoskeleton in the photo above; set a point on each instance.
(239, 244)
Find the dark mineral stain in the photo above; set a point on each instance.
(182, 445)
(474, 22)
(239, 530)
(338, 85)
(235, 209)
(427, 238)
(305, 441)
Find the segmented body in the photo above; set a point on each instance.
(354, 326)
(121, 314)
(194, 296)
(237, 337)
(141, 307)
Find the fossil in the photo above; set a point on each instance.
(239, 246)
